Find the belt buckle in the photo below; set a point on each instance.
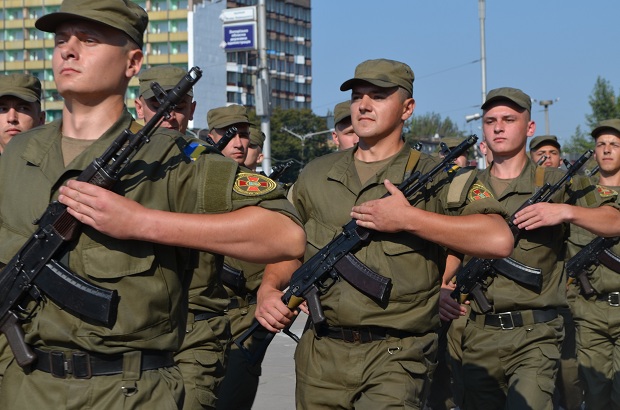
(613, 299)
(59, 366)
(81, 365)
(506, 326)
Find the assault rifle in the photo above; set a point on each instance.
(279, 170)
(35, 273)
(596, 252)
(336, 261)
(221, 144)
(470, 279)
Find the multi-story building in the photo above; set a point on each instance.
(184, 33)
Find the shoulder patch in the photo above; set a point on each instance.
(194, 149)
(606, 192)
(249, 184)
(478, 191)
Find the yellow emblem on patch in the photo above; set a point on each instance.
(248, 184)
(605, 192)
(478, 191)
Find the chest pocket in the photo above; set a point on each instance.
(107, 258)
(398, 244)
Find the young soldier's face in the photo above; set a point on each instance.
(377, 112)
(506, 128)
(607, 152)
(17, 115)
(551, 152)
(179, 119)
(344, 136)
(237, 148)
(93, 61)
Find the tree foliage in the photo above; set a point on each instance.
(605, 105)
(424, 127)
(286, 147)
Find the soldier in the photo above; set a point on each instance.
(140, 252)
(569, 389)
(595, 314)
(20, 105)
(167, 76)
(20, 110)
(510, 356)
(220, 120)
(255, 148)
(549, 147)
(452, 142)
(366, 355)
(343, 135)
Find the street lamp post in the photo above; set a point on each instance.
(303, 140)
(546, 104)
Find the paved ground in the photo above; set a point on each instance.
(276, 389)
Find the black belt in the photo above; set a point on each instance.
(510, 320)
(235, 304)
(83, 365)
(205, 316)
(612, 298)
(360, 334)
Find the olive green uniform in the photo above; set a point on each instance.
(598, 320)
(239, 387)
(152, 280)
(371, 356)
(516, 365)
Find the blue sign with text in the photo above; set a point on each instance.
(240, 37)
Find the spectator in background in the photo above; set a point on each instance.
(255, 148)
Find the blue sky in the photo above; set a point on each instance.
(548, 48)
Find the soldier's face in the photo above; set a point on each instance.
(17, 115)
(237, 148)
(179, 119)
(506, 128)
(551, 152)
(378, 112)
(344, 135)
(93, 61)
(607, 153)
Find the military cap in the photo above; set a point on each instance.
(123, 15)
(257, 137)
(165, 75)
(613, 125)
(511, 94)
(544, 139)
(23, 86)
(452, 142)
(222, 117)
(382, 73)
(341, 111)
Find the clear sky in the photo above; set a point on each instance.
(548, 48)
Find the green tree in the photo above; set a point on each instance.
(604, 105)
(286, 147)
(424, 127)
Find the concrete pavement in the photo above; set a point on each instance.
(276, 389)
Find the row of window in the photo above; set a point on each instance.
(281, 7)
(19, 13)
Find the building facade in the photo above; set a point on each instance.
(185, 33)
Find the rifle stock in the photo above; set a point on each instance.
(33, 271)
